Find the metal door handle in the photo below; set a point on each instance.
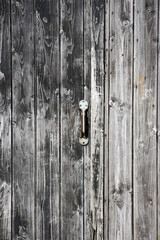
(83, 106)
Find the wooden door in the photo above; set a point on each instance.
(52, 55)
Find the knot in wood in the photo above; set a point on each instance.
(154, 131)
(118, 195)
(118, 199)
(148, 9)
(125, 20)
(111, 103)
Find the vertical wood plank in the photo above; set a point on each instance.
(47, 72)
(106, 123)
(120, 120)
(145, 105)
(88, 230)
(71, 93)
(97, 117)
(158, 122)
(5, 121)
(23, 119)
(94, 93)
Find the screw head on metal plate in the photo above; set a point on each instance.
(83, 105)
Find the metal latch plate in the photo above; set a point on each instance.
(83, 106)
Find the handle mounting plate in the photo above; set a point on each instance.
(83, 106)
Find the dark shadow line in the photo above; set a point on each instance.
(35, 121)
(157, 126)
(12, 185)
(108, 107)
(132, 220)
(83, 153)
(104, 115)
(60, 120)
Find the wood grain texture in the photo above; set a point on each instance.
(71, 93)
(94, 93)
(23, 174)
(88, 229)
(97, 117)
(5, 122)
(120, 120)
(145, 105)
(47, 73)
(158, 123)
(52, 55)
(106, 120)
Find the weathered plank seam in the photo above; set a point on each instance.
(157, 125)
(11, 121)
(83, 85)
(109, 26)
(133, 124)
(104, 117)
(60, 120)
(35, 120)
(83, 152)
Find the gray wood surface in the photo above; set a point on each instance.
(47, 124)
(94, 93)
(52, 55)
(106, 119)
(94, 82)
(144, 121)
(158, 124)
(5, 122)
(88, 229)
(23, 154)
(120, 120)
(71, 32)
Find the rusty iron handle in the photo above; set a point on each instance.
(83, 106)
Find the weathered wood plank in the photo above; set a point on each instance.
(5, 121)
(94, 93)
(106, 120)
(47, 72)
(145, 105)
(88, 230)
(23, 119)
(158, 122)
(71, 93)
(120, 120)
